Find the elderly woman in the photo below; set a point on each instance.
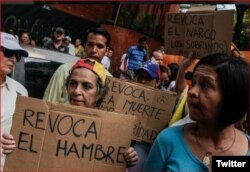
(86, 86)
(218, 98)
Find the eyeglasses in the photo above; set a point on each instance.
(10, 53)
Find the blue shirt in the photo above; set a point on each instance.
(136, 56)
(170, 152)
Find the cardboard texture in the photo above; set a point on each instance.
(200, 32)
(152, 107)
(55, 137)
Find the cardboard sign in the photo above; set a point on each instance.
(55, 137)
(152, 107)
(200, 32)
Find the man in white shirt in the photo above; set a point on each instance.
(67, 42)
(107, 58)
(11, 53)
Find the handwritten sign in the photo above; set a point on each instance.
(152, 107)
(201, 33)
(68, 138)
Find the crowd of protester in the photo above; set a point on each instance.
(216, 101)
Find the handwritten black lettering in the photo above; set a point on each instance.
(40, 120)
(186, 19)
(74, 127)
(176, 44)
(173, 31)
(93, 152)
(91, 148)
(73, 150)
(111, 101)
(91, 130)
(209, 34)
(33, 119)
(120, 154)
(25, 142)
(208, 46)
(63, 129)
(62, 147)
(66, 124)
(27, 114)
(126, 90)
(141, 132)
(143, 109)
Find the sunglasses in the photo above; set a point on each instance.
(10, 53)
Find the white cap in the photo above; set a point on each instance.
(68, 38)
(9, 42)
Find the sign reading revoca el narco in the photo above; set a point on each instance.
(201, 32)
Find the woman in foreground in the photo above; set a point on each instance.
(218, 98)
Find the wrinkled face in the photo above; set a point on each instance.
(8, 63)
(25, 39)
(143, 77)
(205, 96)
(82, 88)
(96, 46)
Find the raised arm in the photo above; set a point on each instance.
(180, 84)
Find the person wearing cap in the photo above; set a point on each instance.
(67, 42)
(86, 86)
(57, 43)
(98, 40)
(11, 53)
(147, 74)
(86, 83)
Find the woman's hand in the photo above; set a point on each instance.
(131, 157)
(8, 143)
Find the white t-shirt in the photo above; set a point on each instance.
(106, 62)
(10, 89)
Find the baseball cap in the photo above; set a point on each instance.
(9, 42)
(68, 38)
(59, 30)
(92, 65)
(152, 69)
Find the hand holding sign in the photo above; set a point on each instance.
(8, 143)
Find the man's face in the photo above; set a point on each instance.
(25, 39)
(158, 57)
(143, 44)
(59, 36)
(96, 46)
(8, 61)
(110, 53)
